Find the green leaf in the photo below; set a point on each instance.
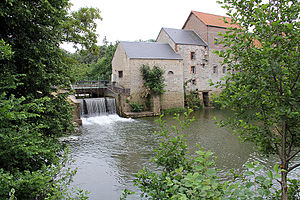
(249, 165)
(211, 172)
(270, 174)
(249, 173)
(276, 168)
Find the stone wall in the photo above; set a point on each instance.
(164, 38)
(75, 110)
(174, 95)
(208, 34)
(195, 24)
(120, 62)
(200, 64)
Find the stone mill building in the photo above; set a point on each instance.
(186, 56)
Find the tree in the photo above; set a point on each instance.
(263, 90)
(91, 66)
(32, 113)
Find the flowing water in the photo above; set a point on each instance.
(112, 149)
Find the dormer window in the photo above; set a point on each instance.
(193, 55)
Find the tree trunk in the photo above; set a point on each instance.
(284, 194)
(284, 164)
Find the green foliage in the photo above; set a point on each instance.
(34, 31)
(215, 102)
(136, 107)
(80, 28)
(263, 89)
(29, 157)
(5, 51)
(125, 194)
(154, 79)
(93, 66)
(181, 177)
(192, 100)
(33, 164)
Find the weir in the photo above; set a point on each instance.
(97, 106)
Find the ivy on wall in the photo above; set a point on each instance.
(154, 80)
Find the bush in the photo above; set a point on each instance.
(193, 101)
(136, 107)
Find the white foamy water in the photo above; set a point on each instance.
(104, 119)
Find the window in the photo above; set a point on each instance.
(193, 70)
(215, 69)
(224, 70)
(194, 82)
(170, 72)
(120, 74)
(193, 55)
(202, 65)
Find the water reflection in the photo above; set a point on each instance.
(111, 149)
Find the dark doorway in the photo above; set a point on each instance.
(205, 99)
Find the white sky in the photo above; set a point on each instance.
(131, 20)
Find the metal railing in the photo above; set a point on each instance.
(90, 84)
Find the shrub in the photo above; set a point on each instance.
(136, 107)
(192, 100)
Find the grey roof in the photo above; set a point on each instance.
(150, 50)
(180, 36)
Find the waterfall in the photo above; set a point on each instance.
(111, 105)
(97, 106)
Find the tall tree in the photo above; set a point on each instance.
(32, 116)
(264, 91)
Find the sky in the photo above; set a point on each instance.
(132, 20)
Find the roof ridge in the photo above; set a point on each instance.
(141, 42)
(210, 14)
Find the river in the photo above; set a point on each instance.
(112, 149)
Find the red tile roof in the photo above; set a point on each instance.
(213, 20)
